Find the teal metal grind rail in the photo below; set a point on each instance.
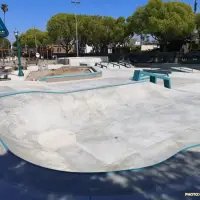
(139, 75)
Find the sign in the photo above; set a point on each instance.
(3, 30)
(37, 55)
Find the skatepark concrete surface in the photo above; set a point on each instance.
(21, 180)
(155, 120)
(82, 127)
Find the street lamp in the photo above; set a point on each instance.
(20, 73)
(76, 2)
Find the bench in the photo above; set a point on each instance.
(125, 64)
(138, 75)
(101, 65)
(115, 64)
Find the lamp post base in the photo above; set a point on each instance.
(20, 73)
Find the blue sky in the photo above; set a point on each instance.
(24, 14)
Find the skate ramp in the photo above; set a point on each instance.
(103, 130)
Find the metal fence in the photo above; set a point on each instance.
(145, 57)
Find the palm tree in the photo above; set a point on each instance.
(4, 7)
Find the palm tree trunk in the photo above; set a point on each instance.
(3, 41)
(4, 18)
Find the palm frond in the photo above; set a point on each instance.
(4, 7)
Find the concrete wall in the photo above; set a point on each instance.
(63, 61)
(76, 61)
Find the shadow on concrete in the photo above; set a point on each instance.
(188, 68)
(20, 180)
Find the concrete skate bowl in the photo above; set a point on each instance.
(105, 130)
(64, 74)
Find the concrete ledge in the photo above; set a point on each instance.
(94, 74)
(90, 61)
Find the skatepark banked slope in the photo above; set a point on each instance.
(109, 129)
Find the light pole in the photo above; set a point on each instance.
(20, 73)
(195, 6)
(35, 37)
(77, 49)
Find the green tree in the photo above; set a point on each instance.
(96, 31)
(164, 21)
(93, 31)
(33, 37)
(121, 34)
(196, 35)
(113, 32)
(61, 29)
(85, 29)
(5, 43)
(101, 32)
(197, 21)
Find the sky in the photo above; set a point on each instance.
(25, 14)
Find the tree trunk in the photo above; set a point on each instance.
(3, 40)
(4, 18)
(67, 50)
(2, 56)
(163, 47)
(104, 49)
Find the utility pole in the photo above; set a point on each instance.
(76, 2)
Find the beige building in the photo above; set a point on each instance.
(58, 49)
(147, 47)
